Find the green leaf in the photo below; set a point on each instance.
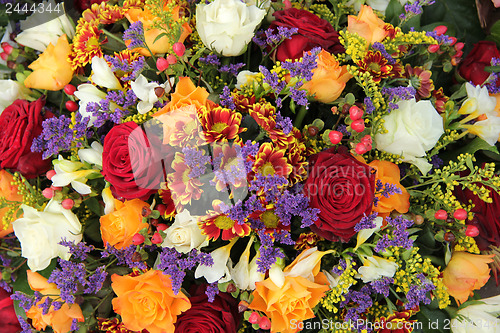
(432, 320)
(93, 205)
(495, 34)
(392, 12)
(93, 230)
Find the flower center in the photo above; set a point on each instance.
(92, 43)
(267, 169)
(190, 127)
(374, 67)
(219, 127)
(270, 219)
(223, 222)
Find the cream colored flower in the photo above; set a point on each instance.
(185, 234)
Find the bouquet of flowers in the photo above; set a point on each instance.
(239, 166)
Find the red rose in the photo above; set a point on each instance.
(343, 189)
(219, 316)
(472, 67)
(8, 318)
(131, 163)
(313, 31)
(486, 217)
(20, 123)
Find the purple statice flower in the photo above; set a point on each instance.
(259, 39)
(25, 301)
(362, 299)
(210, 59)
(273, 80)
(418, 293)
(226, 100)
(45, 305)
(232, 69)
(283, 237)
(270, 184)
(390, 189)
(342, 264)
(381, 48)
(413, 9)
(289, 205)
(5, 260)
(299, 96)
(441, 39)
(135, 34)
(398, 93)
(342, 128)
(196, 161)
(173, 263)
(57, 305)
(382, 285)
(284, 123)
(493, 82)
(211, 291)
(303, 68)
(400, 237)
(236, 212)
(124, 256)
(366, 222)
(57, 135)
(79, 251)
(369, 107)
(436, 161)
(96, 280)
(26, 328)
(68, 278)
(74, 325)
(275, 37)
(5, 286)
(268, 252)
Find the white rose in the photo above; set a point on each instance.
(479, 317)
(413, 129)
(41, 232)
(184, 235)
(44, 27)
(11, 90)
(227, 26)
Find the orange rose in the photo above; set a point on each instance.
(119, 227)
(186, 93)
(388, 172)
(9, 193)
(466, 272)
(161, 45)
(367, 25)
(60, 320)
(329, 78)
(147, 301)
(293, 301)
(52, 70)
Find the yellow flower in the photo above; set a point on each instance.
(52, 70)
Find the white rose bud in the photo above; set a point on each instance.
(184, 234)
(227, 26)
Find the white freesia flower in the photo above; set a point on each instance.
(41, 232)
(68, 172)
(479, 318)
(109, 200)
(103, 75)
(88, 93)
(376, 267)
(364, 234)
(11, 90)
(44, 27)
(227, 26)
(245, 274)
(412, 129)
(245, 78)
(307, 264)
(185, 234)
(478, 101)
(92, 155)
(487, 129)
(219, 271)
(145, 91)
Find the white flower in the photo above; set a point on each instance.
(109, 200)
(40, 233)
(88, 93)
(227, 26)
(376, 267)
(245, 78)
(92, 155)
(219, 271)
(11, 90)
(364, 234)
(44, 27)
(145, 91)
(412, 129)
(68, 172)
(478, 101)
(103, 75)
(245, 274)
(479, 318)
(185, 234)
(487, 129)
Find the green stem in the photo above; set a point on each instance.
(300, 117)
(113, 36)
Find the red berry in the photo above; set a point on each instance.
(71, 106)
(440, 29)
(48, 193)
(56, 188)
(264, 323)
(179, 49)
(69, 89)
(471, 231)
(433, 48)
(146, 211)
(4, 56)
(358, 125)
(162, 227)
(453, 40)
(449, 237)
(355, 113)
(161, 208)
(254, 318)
(459, 46)
(138, 239)
(171, 59)
(50, 174)
(360, 148)
(67, 203)
(460, 214)
(162, 64)
(441, 214)
(345, 108)
(156, 239)
(313, 131)
(7, 48)
(136, 257)
(335, 137)
(243, 306)
(231, 288)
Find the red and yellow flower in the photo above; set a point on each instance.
(230, 169)
(379, 67)
(183, 187)
(271, 160)
(220, 124)
(221, 224)
(86, 44)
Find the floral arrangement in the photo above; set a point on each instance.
(239, 166)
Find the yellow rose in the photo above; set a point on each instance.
(329, 78)
(147, 301)
(52, 70)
